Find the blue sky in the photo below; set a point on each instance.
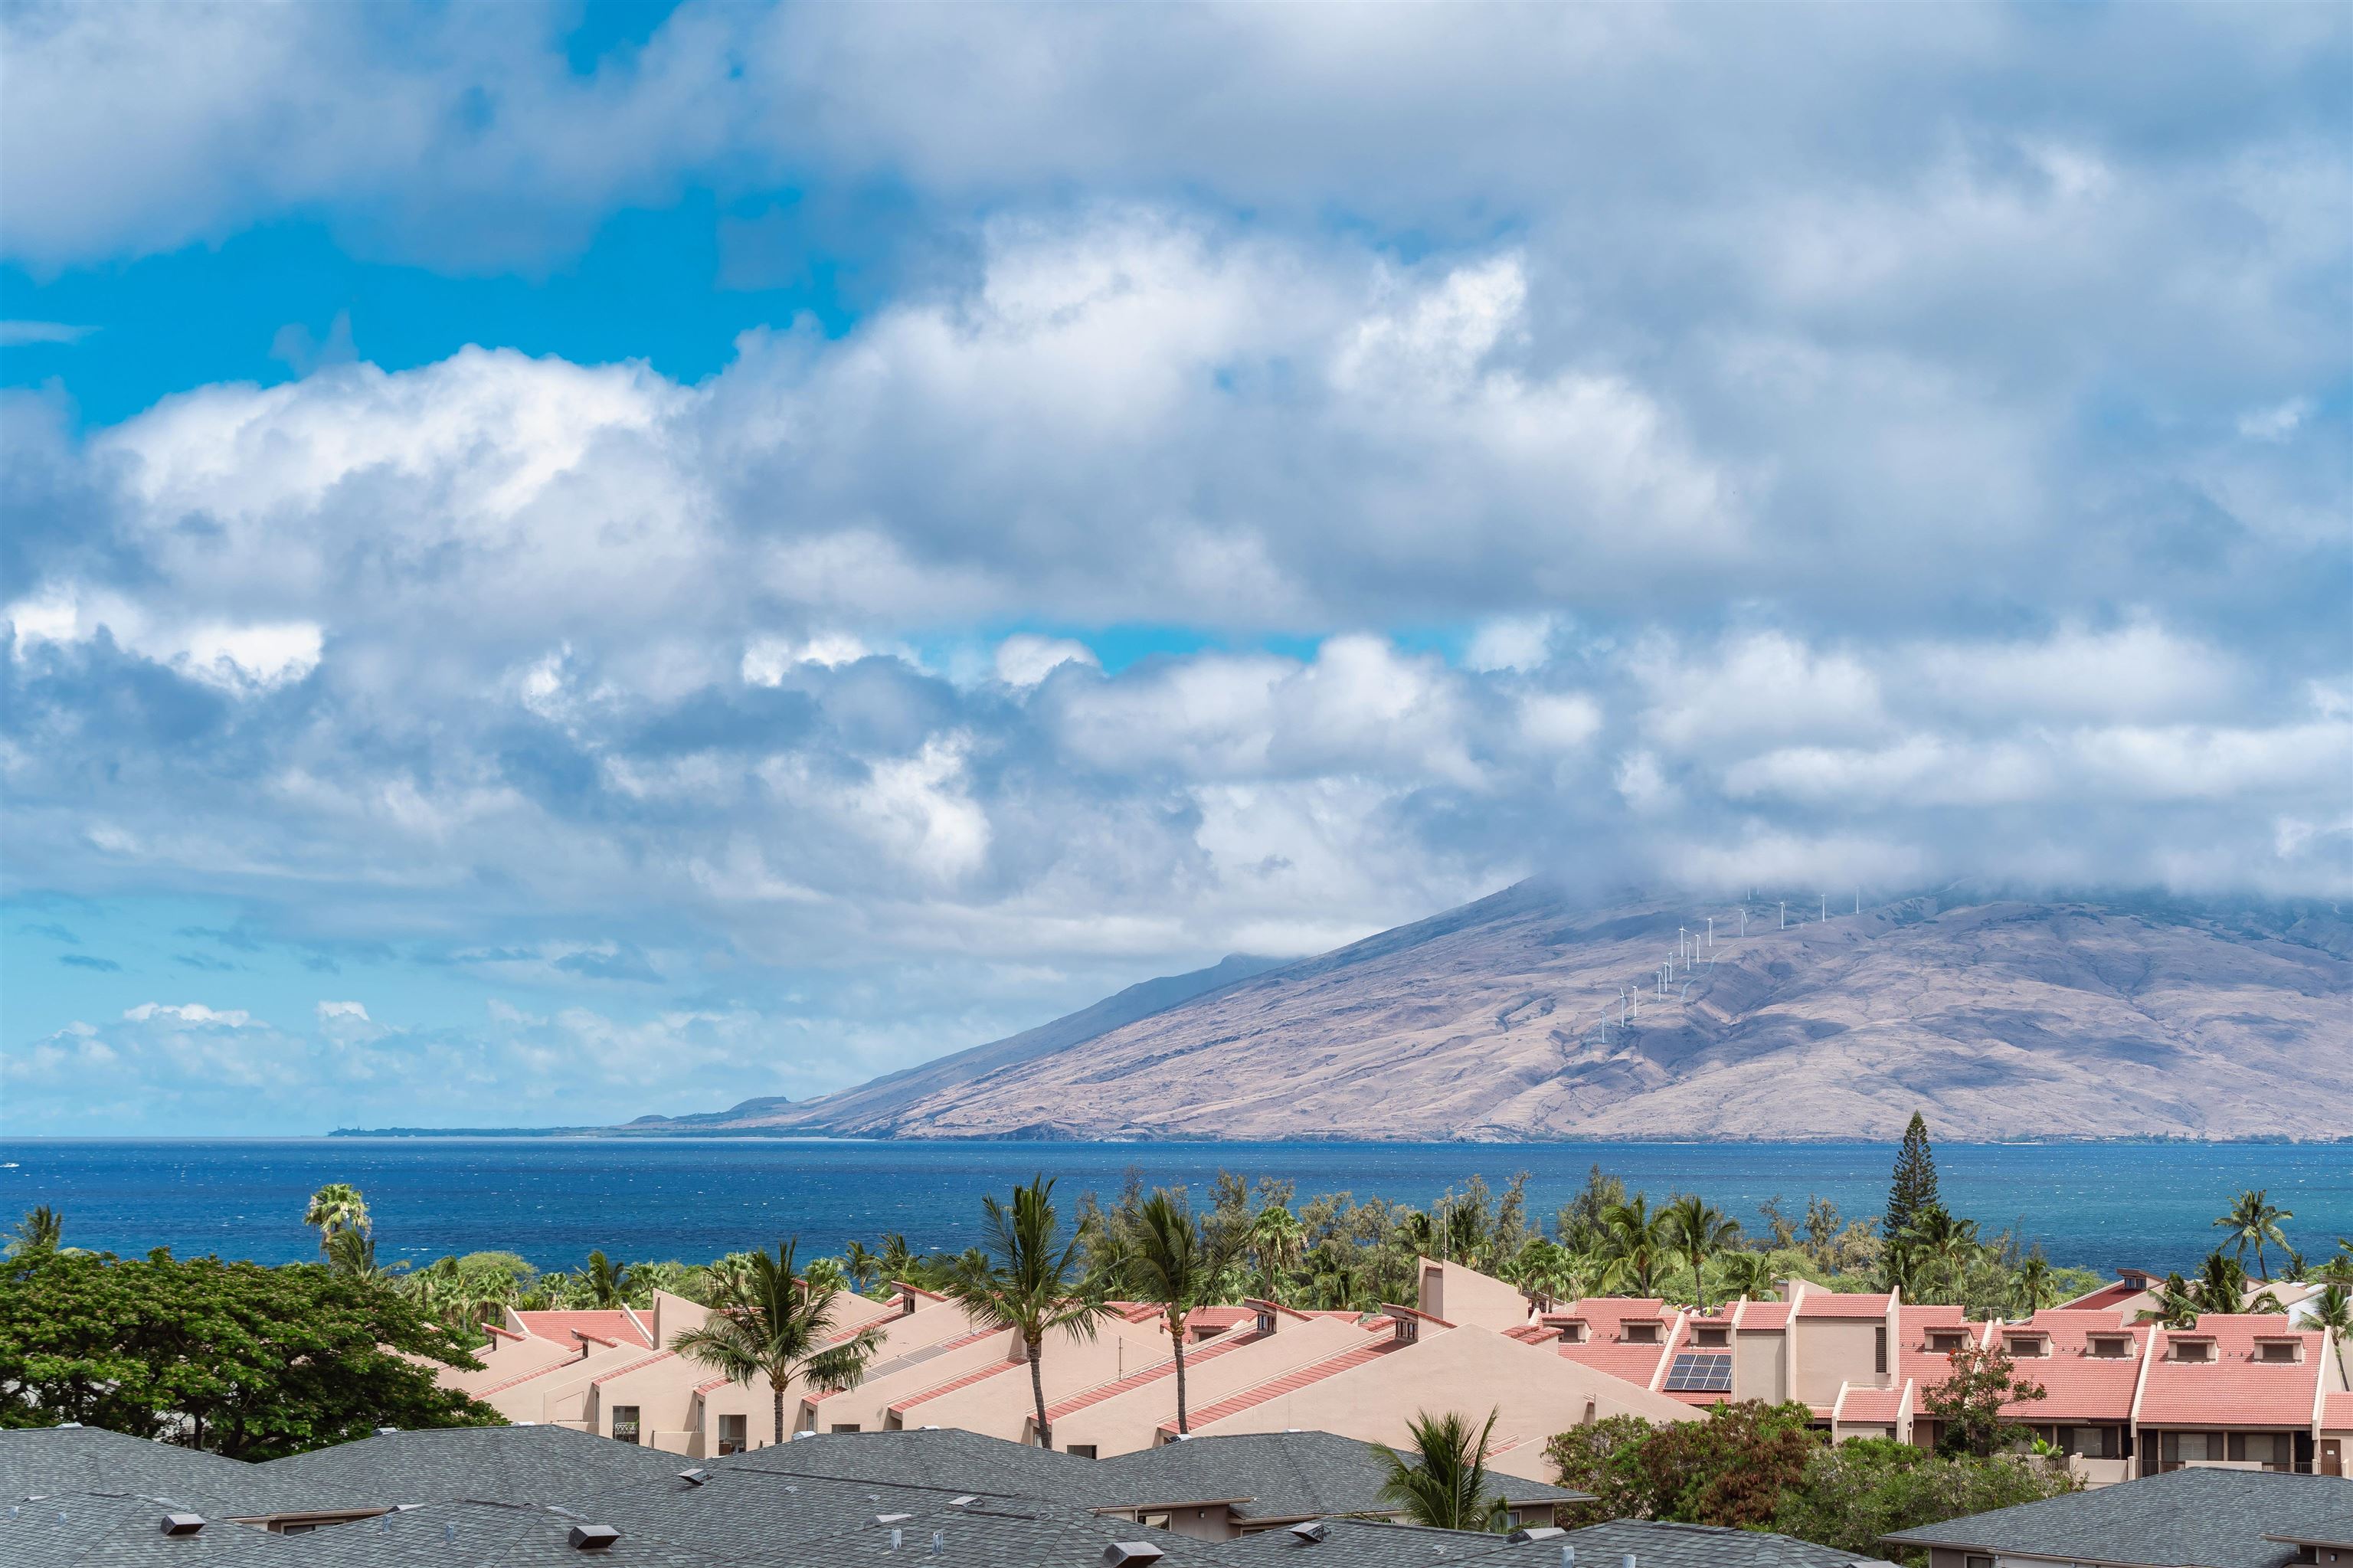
(566, 562)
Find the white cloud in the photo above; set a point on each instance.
(330, 1010)
(1512, 642)
(188, 1013)
(18, 333)
(1024, 660)
(2277, 422)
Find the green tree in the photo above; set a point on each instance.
(2254, 1221)
(234, 1358)
(1277, 1240)
(1579, 1224)
(1748, 1274)
(1171, 1264)
(1596, 1458)
(1912, 1190)
(608, 1283)
(39, 1231)
(860, 1265)
(1636, 1245)
(766, 1323)
(1026, 1278)
(1699, 1232)
(1443, 1482)
(1854, 1492)
(2222, 1286)
(1729, 1468)
(2332, 1309)
(334, 1208)
(1968, 1405)
(2031, 1288)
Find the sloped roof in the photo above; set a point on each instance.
(2077, 1385)
(617, 1327)
(47, 1461)
(1286, 1474)
(2235, 1388)
(2216, 1519)
(493, 1464)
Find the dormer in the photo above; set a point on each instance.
(2191, 1349)
(1572, 1329)
(1641, 1331)
(1711, 1336)
(2027, 1346)
(1945, 1341)
(2109, 1347)
(2279, 1350)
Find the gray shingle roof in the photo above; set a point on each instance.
(945, 1457)
(96, 1529)
(1657, 1545)
(1351, 1543)
(53, 1459)
(481, 1464)
(1286, 1475)
(2212, 1519)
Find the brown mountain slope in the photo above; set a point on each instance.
(1501, 1020)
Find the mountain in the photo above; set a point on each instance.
(1999, 1017)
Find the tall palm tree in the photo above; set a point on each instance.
(352, 1253)
(1635, 1246)
(336, 1207)
(1748, 1274)
(1444, 1482)
(39, 1231)
(1699, 1231)
(1027, 1279)
(2332, 1309)
(2221, 1286)
(1276, 1238)
(608, 1283)
(2031, 1288)
(860, 1263)
(2252, 1222)
(766, 1323)
(897, 1262)
(1171, 1264)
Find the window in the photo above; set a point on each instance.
(1879, 1348)
(1408, 1329)
(1944, 1341)
(1976, 1562)
(2271, 1450)
(845, 1426)
(2278, 1352)
(625, 1423)
(2091, 1442)
(1711, 1337)
(1697, 1373)
(2193, 1350)
(2026, 1347)
(1084, 1450)
(2109, 1348)
(731, 1435)
(1639, 1333)
(1265, 1324)
(1572, 1333)
(2176, 1449)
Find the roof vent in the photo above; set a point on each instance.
(1535, 1532)
(183, 1523)
(593, 1537)
(892, 1517)
(964, 1501)
(695, 1476)
(1310, 1534)
(798, 1436)
(385, 1431)
(1130, 1554)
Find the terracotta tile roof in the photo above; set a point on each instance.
(2235, 1388)
(2107, 1298)
(521, 1378)
(1289, 1381)
(2336, 1412)
(1529, 1333)
(1151, 1374)
(959, 1342)
(641, 1361)
(1874, 1405)
(703, 1388)
(1764, 1315)
(607, 1328)
(2077, 1385)
(1605, 1349)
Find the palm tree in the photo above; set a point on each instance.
(1275, 1238)
(2332, 1309)
(1027, 1281)
(39, 1231)
(1748, 1274)
(1171, 1264)
(1699, 1231)
(897, 1262)
(860, 1265)
(607, 1282)
(2252, 1222)
(768, 1324)
(335, 1207)
(352, 1253)
(1444, 1483)
(2221, 1286)
(1635, 1244)
(2031, 1288)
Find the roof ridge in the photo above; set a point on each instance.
(1297, 1378)
(1096, 1394)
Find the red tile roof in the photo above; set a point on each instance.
(2235, 1388)
(1605, 1349)
(1764, 1315)
(954, 1383)
(608, 1328)
(1289, 1381)
(641, 1361)
(2336, 1412)
(1151, 1374)
(1878, 1405)
(2077, 1385)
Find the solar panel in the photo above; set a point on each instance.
(1697, 1373)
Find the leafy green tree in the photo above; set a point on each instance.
(335, 1208)
(1968, 1405)
(1444, 1482)
(1636, 1245)
(2253, 1220)
(2332, 1309)
(2031, 1288)
(1277, 1240)
(2222, 1286)
(1597, 1459)
(1729, 1468)
(1027, 1279)
(1912, 1190)
(1748, 1274)
(1699, 1232)
(41, 1230)
(1579, 1224)
(608, 1283)
(766, 1323)
(1171, 1264)
(897, 1262)
(1854, 1493)
(235, 1358)
(859, 1265)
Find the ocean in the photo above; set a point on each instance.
(2148, 1205)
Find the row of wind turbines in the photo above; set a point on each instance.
(1690, 945)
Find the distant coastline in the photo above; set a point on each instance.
(820, 1136)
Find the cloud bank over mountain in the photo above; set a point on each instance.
(1293, 472)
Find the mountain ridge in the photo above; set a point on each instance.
(2125, 1016)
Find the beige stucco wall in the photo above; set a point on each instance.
(1128, 1422)
(1834, 1350)
(1760, 1365)
(1462, 1295)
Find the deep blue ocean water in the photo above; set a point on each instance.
(551, 1199)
